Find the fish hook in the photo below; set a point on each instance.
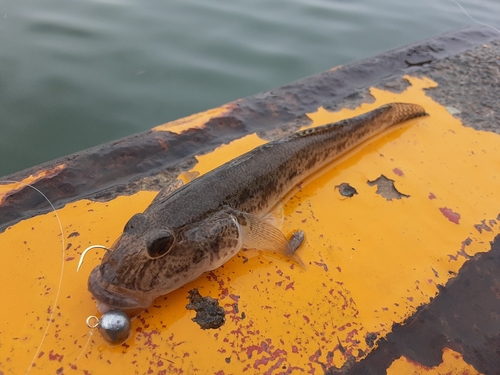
(85, 252)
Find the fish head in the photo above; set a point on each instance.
(149, 260)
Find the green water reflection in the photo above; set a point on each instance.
(74, 74)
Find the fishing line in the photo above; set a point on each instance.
(54, 305)
(53, 310)
(472, 18)
(83, 350)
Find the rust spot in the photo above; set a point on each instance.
(55, 356)
(398, 172)
(325, 267)
(209, 315)
(452, 216)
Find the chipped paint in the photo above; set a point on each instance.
(12, 187)
(370, 262)
(386, 188)
(196, 121)
(453, 363)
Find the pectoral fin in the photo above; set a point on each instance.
(260, 234)
(276, 216)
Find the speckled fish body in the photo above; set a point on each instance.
(204, 223)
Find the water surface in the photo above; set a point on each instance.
(74, 74)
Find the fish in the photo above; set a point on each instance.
(204, 223)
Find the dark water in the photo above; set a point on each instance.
(77, 73)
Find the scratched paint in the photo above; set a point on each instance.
(370, 262)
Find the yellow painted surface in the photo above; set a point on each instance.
(370, 262)
(195, 121)
(453, 364)
(10, 187)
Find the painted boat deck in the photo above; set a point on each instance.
(402, 277)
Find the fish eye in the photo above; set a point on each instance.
(159, 246)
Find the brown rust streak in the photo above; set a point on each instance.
(11, 187)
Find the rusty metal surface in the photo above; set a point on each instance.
(151, 160)
(463, 317)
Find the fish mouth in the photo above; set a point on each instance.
(114, 297)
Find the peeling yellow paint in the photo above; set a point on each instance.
(12, 187)
(370, 262)
(453, 364)
(196, 121)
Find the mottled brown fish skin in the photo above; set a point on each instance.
(204, 216)
(255, 181)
